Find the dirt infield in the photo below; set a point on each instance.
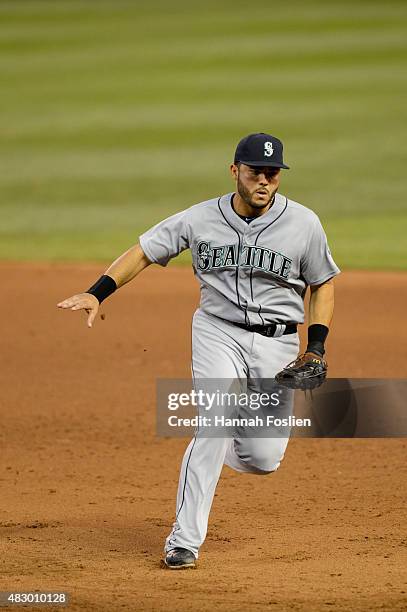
(88, 490)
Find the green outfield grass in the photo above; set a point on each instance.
(116, 114)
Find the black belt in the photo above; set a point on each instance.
(273, 330)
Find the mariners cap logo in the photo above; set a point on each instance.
(268, 149)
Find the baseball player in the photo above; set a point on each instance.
(254, 253)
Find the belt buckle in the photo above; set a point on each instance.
(280, 329)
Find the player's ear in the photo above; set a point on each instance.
(234, 171)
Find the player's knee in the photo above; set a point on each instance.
(261, 461)
(264, 468)
(262, 456)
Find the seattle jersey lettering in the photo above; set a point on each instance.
(229, 256)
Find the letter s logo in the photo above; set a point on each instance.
(268, 149)
(203, 250)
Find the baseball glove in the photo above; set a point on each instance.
(308, 371)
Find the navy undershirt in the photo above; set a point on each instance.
(247, 219)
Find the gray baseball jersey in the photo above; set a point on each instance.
(254, 273)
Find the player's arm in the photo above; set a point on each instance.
(321, 308)
(120, 272)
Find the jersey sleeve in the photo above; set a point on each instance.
(166, 240)
(317, 264)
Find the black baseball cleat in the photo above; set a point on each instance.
(180, 558)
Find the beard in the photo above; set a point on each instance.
(247, 196)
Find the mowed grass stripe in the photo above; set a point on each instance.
(133, 130)
(217, 17)
(200, 53)
(142, 132)
(193, 86)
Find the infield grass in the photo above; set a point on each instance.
(116, 114)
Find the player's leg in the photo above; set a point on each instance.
(217, 361)
(261, 451)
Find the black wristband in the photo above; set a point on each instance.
(317, 335)
(103, 287)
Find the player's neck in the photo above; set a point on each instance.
(244, 209)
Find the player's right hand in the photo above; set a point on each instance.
(82, 301)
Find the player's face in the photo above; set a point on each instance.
(256, 185)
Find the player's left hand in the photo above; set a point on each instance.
(308, 371)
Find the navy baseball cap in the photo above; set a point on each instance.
(260, 150)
